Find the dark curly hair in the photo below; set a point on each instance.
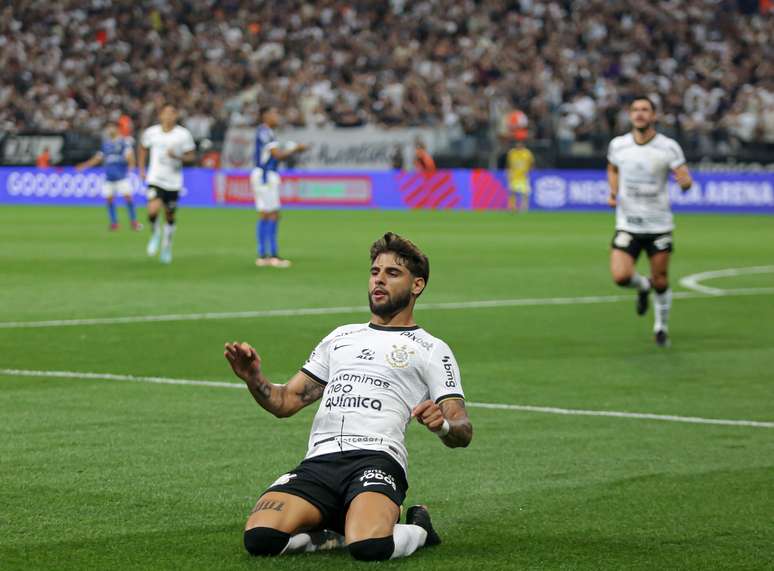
(406, 252)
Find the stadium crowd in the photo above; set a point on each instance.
(70, 65)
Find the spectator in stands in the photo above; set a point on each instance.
(423, 162)
(570, 65)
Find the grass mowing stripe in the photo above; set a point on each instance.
(482, 304)
(494, 406)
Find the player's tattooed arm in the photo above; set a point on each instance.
(280, 400)
(460, 427)
(452, 411)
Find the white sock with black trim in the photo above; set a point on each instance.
(408, 538)
(166, 239)
(662, 303)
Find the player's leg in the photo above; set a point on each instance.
(372, 533)
(108, 192)
(273, 207)
(261, 224)
(280, 523)
(276, 260)
(662, 302)
(154, 206)
(513, 205)
(126, 191)
(525, 197)
(624, 252)
(169, 199)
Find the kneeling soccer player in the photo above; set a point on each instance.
(372, 378)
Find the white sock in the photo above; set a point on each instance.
(314, 541)
(166, 240)
(662, 303)
(640, 282)
(408, 538)
(155, 227)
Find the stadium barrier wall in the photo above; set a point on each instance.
(553, 190)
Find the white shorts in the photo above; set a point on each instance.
(267, 194)
(112, 187)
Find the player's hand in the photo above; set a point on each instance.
(683, 178)
(301, 147)
(612, 200)
(244, 361)
(429, 414)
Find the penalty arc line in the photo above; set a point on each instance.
(693, 282)
(482, 304)
(494, 406)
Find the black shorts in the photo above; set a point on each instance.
(168, 197)
(331, 481)
(633, 244)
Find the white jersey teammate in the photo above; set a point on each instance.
(372, 379)
(639, 165)
(170, 146)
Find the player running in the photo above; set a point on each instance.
(638, 169)
(520, 161)
(118, 157)
(372, 379)
(170, 146)
(265, 182)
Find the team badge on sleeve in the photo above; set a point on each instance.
(398, 358)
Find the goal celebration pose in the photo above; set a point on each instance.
(371, 380)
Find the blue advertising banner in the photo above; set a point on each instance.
(446, 189)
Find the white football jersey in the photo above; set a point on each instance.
(163, 170)
(374, 376)
(643, 173)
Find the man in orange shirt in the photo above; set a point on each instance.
(423, 162)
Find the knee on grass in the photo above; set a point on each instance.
(378, 549)
(265, 541)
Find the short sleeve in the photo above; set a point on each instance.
(442, 375)
(676, 155)
(147, 138)
(612, 157)
(317, 366)
(187, 144)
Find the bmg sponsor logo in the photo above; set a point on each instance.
(448, 368)
(551, 192)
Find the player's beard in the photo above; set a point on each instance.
(392, 305)
(645, 128)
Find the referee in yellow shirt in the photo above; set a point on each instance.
(520, 161)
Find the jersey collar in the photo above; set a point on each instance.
(385, 328)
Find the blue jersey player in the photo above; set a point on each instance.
(118, 157)
(265, 182)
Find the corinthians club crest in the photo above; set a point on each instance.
(399, 357)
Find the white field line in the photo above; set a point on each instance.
(495, 406)
(693, 282)
(539, 301)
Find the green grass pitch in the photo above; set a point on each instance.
(99, 474)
